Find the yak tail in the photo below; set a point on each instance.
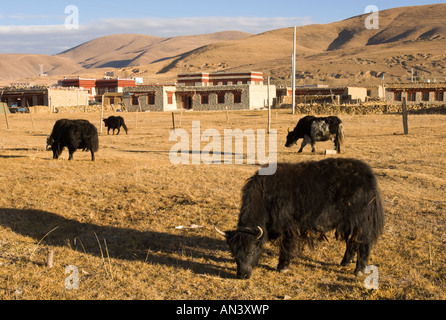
(340, 137)
(124, 126)
(94, 140)
(376, 217)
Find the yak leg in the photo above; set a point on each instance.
(119, 130)
(363, 258)
(351, 242)
(92, 155)
(71, 151)
(313, 149)
(349, 253)
(305, 141)
(287, 246)
(357, 243)
(57, 150)
(337, 145)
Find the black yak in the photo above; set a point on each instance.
(312, 129)
(115, 123)
(73, 134)
(302, 202)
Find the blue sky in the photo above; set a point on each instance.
(40, 26)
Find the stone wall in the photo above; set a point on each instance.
(365, 108)
(229, 102)
(390, 97)
(70, 109)
(146, 98)
(63, 97)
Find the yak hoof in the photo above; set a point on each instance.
(283, 269)
(345, 263)
(358, 273)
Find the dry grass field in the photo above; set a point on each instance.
(116, 219)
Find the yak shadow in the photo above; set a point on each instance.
(192, 152)
(177, 250)
(10, 156)
(21, 149)
(310, 263)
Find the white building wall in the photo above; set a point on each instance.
(258, 96)
(166, 105)
(65, 97)
(357, 93)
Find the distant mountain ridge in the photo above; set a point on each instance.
(340, 52)
(125, 50)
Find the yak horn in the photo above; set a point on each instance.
(252, 231)
(261, 233)
(220, 232)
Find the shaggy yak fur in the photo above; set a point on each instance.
(312, 129)
(302, 202)
(115, 123)
(73, 134)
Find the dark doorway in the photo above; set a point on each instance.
(187, 102)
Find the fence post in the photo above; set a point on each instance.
(102, 112)
(405, 118)
(6, 115)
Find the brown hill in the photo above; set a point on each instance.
(344, 51)
(118, 51)
(109, 52)
(18, 66)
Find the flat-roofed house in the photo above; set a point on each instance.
(203, 91)
(417, 93)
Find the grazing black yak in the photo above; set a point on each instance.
(115, 123)
(312, 129)
(73, 134)
(302, 202)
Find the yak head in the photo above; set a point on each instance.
(49, 143)
(246, 247)
(291, 139)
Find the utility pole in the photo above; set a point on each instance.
(293, 76)
(269, 107)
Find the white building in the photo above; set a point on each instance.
(203, 91)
